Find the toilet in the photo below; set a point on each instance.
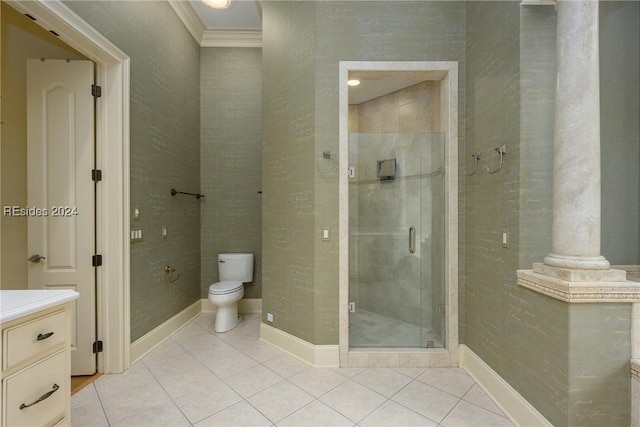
(233, 270)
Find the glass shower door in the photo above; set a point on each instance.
(395, 229)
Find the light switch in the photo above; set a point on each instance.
(505, 238)
(326, 233)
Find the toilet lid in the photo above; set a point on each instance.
(227, 287)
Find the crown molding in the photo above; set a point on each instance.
(213, 38)
(538, 3)
(189, 18)
(232, 38)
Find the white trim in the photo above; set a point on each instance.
(320, 356)
(231, 38)
(189, 18)
(213, 38)
(516, 407)
(112, 139)
(538, 3)
(152, 339)
(245, 305)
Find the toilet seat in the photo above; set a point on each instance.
(224, 288)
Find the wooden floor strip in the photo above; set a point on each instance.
(80, 382)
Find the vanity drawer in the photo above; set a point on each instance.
(45, 381)
(32, 338)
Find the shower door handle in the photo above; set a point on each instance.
(412, 239)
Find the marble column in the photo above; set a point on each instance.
(576, 150)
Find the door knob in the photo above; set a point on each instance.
(36, 258)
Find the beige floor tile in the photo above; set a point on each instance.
(86, 396)
(199, 370)
(253, 380)
(385, 381)
(191, 328)
(205, 319)
(239, 415)
(468, 414)
(410, 372)
(426, 400)
(478, 397)
(258, 350)
(128, 403)
(228, 363)
(316, 414)
(317, 381)
(391, 414)
(286, 365)
(91, 415)
(136, 376)
(449, 380)
(165, 415)
(353, 400)
(348, 372)
(184, 382)
(280, 401)
(161, 368)
(165, 350)
(206, 401)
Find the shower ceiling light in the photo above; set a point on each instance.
(217, 4)
(353, 82)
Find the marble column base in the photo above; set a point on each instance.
(580, 292)
(581, 275)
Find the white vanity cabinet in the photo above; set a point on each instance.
(35, 357)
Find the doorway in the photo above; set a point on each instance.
(112, 152)
(398, 222)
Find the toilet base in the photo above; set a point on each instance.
(226, 318)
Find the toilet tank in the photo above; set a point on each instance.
(233, 266)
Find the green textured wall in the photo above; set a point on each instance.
(569, 361)
(303, 43)
(620, 130)
(231, 160)
(288, 52)
(165, 151)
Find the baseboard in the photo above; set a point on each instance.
(516, 407)
(150, 340)
(325, 356)
(245, 305)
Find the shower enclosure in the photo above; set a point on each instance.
(398, 227)
(396, 240)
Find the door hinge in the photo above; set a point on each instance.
(96, 175)
(97, 346)
(96, 91)
(96, 260)
(442, 309)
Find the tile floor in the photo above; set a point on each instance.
(200, 378)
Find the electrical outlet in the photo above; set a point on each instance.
(270, 317)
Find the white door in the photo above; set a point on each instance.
(60, 159)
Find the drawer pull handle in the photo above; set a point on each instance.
(43, 397)
(44, 336)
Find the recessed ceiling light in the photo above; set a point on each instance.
(217, 4)
(353, 82)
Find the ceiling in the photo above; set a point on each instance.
(241, 15)
(247, 15)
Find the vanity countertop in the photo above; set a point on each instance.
(16, 304)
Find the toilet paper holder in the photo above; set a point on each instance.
(170, 270)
